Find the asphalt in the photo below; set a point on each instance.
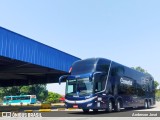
(61, 112)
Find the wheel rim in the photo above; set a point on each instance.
(95, 110)
(118, 105)
(110, 106)
(86, 110)
(146, 104)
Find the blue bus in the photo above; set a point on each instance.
(19, 100)
(101, 84)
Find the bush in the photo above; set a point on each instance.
(52, 97)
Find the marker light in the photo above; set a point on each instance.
(70, 69)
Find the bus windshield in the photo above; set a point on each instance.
(81, 86)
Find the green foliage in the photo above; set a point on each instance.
(39, 90)
(156, 84)
(25, 90)
(140, 69)
(9, 91)
(158, 95)
(53, 97)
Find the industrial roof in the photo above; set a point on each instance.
(25, 61)
(16, 46)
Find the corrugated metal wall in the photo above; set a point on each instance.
(18, 47)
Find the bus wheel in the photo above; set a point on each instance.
(95, 110)
(117, 106)
(149, 105)
(86, 110)
(129, 108)
(145, 104)
(109, 106)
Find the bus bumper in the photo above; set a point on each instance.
(88, 105)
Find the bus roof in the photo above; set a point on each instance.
(18, 96)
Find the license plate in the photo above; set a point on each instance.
(75, 106)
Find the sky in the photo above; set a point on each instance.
(125, 31)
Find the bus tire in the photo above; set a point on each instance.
(149, 105)
(109, 106)
(117, 107)
(129, 108)
(86, 110)
(95, 110)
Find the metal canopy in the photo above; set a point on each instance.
(24, 61)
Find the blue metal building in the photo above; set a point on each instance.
(25, 61)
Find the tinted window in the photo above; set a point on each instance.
(71, 86)
(100, 82)
(16, 98)
(109, 87)
(25, 98)
(103, 65)
(84, 66)
(127, 86)
(117, 70)
(8, 98)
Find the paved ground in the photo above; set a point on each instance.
(155, 108)
(79, 115)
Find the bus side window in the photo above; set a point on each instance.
(109, 87)
(98, 86)
(13, 98)
(117, 71)
(8, 99)
(103, 66)
(100, 82)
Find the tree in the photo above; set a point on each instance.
(8, 91)
(140, 69)
(53, 97)
(39, 90)
(156, 84)
(158, 95)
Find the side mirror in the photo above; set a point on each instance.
(94, 74)
(64, 77)
(98, 75)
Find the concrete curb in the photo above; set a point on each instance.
(44, 110)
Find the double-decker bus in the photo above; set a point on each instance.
(101, 84)
(19, 100)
